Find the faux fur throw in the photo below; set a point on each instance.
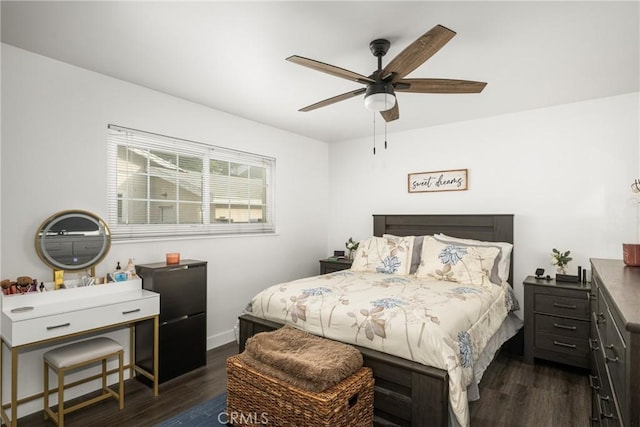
(301, 359)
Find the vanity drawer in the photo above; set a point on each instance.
(562, 326)
(43, 328)
(562, 306)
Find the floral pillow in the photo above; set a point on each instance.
(452, 262)
(415, 251)
(384, 255)
(494, 274)
(504, 263)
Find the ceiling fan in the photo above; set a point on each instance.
(379, 93)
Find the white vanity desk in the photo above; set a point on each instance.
(41, 319)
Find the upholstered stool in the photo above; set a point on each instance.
(68, 357)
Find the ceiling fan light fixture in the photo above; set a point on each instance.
(379, 97)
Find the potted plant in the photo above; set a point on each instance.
(560, 260)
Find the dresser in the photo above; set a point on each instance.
(183, 318)
(615, 344)
(557, 324)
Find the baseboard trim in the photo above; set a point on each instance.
(222, 338)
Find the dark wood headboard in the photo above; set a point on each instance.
(492, 228)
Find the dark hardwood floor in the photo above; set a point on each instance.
(141, 408)
(513, 394)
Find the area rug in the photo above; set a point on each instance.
(211, 413)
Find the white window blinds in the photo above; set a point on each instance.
(164, 186)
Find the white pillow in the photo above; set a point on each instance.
(460, 263)
(504, 264)
(384, 255)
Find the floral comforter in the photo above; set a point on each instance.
(437, 323)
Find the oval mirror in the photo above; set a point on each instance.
(72, 240)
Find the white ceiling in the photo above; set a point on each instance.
(231, 55)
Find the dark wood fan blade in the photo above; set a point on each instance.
(330, 69)
(392, 114)
(418, 52)
(333, 100)
(439, 86)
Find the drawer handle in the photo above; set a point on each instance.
(602, 411)
(569, 306)
(58, 326)
(607, 358)
(571, 328)
(593, 344)
(184, 267)
(135, 310)
(564, 344)
(592, 378)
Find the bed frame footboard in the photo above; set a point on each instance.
(406, 393)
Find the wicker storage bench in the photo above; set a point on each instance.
(253, 398)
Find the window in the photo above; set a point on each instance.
(163, 186)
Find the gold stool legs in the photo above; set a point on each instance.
(46, 389)
(121, 381)
(58, 417)
(60, 398)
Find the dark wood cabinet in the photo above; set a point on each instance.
(557, 324)
(183, 318)
(330, 265)
(615, 344)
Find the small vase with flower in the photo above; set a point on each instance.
(352, 246)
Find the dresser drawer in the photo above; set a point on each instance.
(574, 347)
(43, 328)
(562, 306)
(606, 408)
(562, 326)
(615, 352)
(599, 316)
(605, 404)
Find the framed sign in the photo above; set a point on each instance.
(450, 180)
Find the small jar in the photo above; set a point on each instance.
(173, 258)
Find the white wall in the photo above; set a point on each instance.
(564, 172)
(54, 129)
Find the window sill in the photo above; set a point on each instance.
(123, 241)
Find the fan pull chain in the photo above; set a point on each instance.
(385, 124)
(385, 134)
(374, 133)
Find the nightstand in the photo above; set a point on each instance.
(330, 265)
(557, 324)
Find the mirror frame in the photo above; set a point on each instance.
(47, 224)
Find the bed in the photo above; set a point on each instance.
(408, 392)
